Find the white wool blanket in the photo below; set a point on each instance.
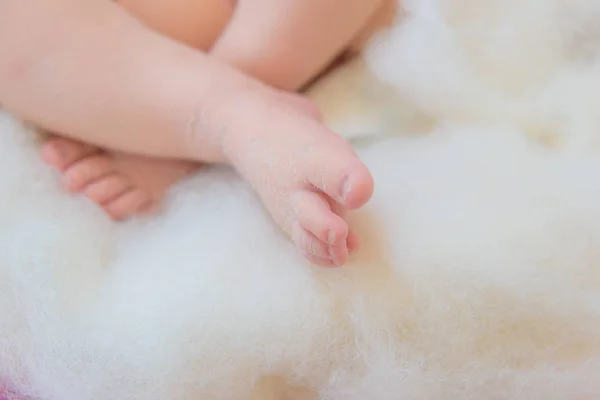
(479, 277)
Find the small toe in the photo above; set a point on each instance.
(321, 262)
(107, 189)
(61, 153)
(313, 246)
(352, 242)
(86, 171)
(309, 243)
(127, 205)
(314, 214)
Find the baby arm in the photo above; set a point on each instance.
(286, 43)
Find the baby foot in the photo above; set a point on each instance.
(306, 176)
(121, 184)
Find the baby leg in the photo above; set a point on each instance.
(155, 90)
(124, 184)
(306, 176)
(286, 43)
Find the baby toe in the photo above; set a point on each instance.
(314, 213)
(61, 153)
(86, 171)
(352, 242)
(339, 173)
(127, 204)
(107, 189)
(357, 187)
(321, 262)
(309, 244)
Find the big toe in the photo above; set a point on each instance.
(357, 186)
(61, 153)
(340, 174)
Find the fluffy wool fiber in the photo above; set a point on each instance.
(479, 277)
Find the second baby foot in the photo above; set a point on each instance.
(306, 176)
(123, 185)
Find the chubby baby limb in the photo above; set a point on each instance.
(318, 176)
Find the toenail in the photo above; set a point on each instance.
(346, 187)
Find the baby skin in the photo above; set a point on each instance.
(306, 176)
